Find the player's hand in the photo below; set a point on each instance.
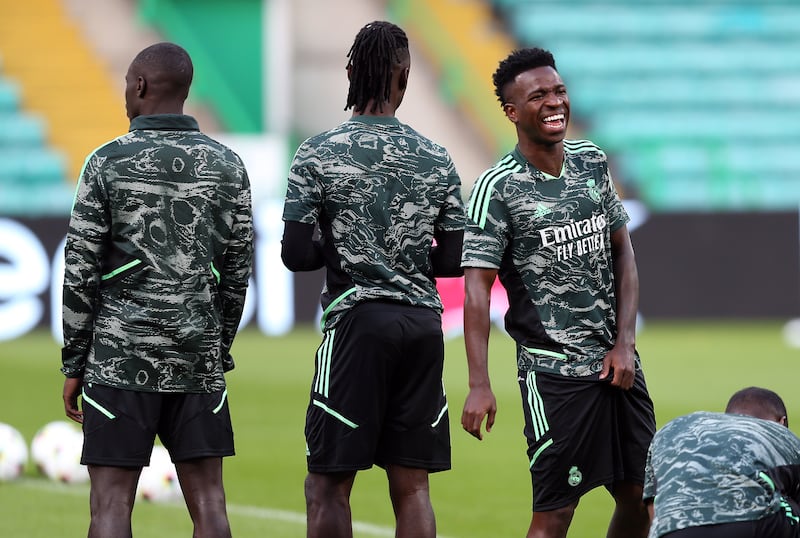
(619, 365)
(480, 403)
(72, 388)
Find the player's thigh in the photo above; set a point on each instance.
(196, 425)
(635, 427)
(119, 426)
(415, 430)
(349, 389)
(200, 477)
(569, 427)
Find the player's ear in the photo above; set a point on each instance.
(784, 420)
(141, 86)
(511, 112)
(402, 82)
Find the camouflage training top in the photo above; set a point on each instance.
(710, 468)
(158, 257)
(378, 190)
(549, 238)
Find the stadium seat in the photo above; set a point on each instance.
(21, 130)
(9, 96)
(697, 105)
(29, 166)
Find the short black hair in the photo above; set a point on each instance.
(169, 63)
(517, 62)
(758, 402)
(377, 48)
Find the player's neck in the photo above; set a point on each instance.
(547, 158)
(384, 109)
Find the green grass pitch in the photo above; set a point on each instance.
(688, 366)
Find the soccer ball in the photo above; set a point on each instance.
(159, 480)
(13, 453)
(46, 442)
(56, 451)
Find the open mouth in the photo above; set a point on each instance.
(556, 121)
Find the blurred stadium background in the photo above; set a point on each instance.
(697, 104)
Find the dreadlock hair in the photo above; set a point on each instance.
(377, 48)
(758, 402)
(517, 62)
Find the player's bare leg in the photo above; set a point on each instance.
(111, 497)
(203, 491)
(410, 493)
(631, 517)
(552, 523)
(328, 505)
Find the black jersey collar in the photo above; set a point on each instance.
(376, 120)
(165, 122)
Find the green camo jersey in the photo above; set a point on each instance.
(549, 238)
(158, 258)
(710, 468)
(378, 190)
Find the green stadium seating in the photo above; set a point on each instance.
(9, 96)
(697, 104)
(18, 130)
(28, 166)
(32, 173)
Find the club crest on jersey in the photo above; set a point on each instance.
(575, 476)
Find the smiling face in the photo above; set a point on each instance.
(536, 101)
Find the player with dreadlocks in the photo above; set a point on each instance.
(378, 49)
(380, 194)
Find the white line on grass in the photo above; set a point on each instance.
(256, 512)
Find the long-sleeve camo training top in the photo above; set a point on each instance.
(158, 258)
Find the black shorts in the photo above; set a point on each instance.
(783, 524)
(120, 426)
(377, 396)
(582, 434)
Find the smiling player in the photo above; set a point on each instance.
(548, 221)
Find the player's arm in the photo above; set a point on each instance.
(236, 270)
(619, 362)
(89, 228)
(446, 255)
(70, 393)
(299, 250)
(480, 400)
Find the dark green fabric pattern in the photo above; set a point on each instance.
(378, 190)
(710, 468)
(550, 239)
(158, 258)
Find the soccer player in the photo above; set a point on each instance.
(158, 258)
(380, 194)
(548, 221)
(726, 475)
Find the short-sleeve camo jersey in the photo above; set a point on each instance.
(549, 238)
(378, 190)
(158, 257)
(711, 468)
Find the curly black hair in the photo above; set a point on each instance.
(378, 46)
(517, 62)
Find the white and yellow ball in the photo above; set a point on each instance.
(159, 480)
(56, 451)
(13, 453)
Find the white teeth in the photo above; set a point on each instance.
(554, 117)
